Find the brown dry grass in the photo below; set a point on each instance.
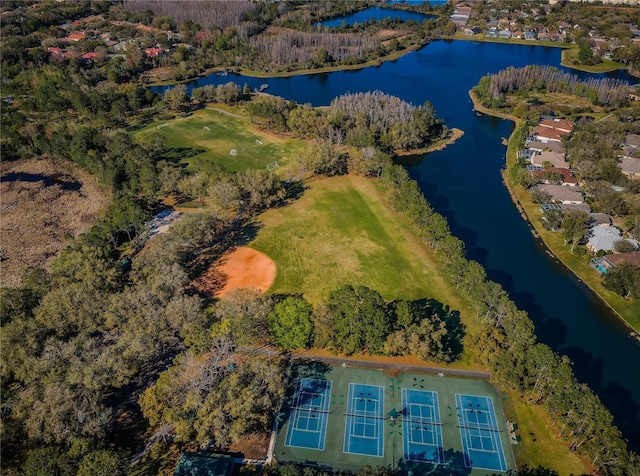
(43, 206)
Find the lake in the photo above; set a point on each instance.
(463, 183)
(376, 13)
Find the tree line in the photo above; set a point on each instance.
(609, 92)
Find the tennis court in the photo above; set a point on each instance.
(309, 414)
(365, 421)
(421, 426)
(343, 418)
(480, 434)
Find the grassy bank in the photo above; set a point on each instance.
(627, 310)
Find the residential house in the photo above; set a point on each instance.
(603, 238)
(73, 37)
(542, 146)
(544, 36)
(632, 140)
(91, 56)
(545, 134)
(599, 219)
(562, 194)
(604, 264)
(154, 52)
(562, 125)
(492, 33)
(529, 35)
(518, 34)
(565, 175)
(583, 207)
(630, 167)
(553, 159)
(504, 34)
(472, 31)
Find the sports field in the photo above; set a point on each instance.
(345, 418)
(207, 137)
(341, 231)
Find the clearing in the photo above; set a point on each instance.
(45, 205)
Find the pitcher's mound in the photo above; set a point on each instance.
(241, 268)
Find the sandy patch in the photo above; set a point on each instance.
(241, 268)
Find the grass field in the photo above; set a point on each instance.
(342, 232)
(199, 147)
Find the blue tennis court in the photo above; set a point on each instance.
(421, 427)
(480, 434)
(309, 414)
(365, 422)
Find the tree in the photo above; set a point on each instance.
(576, 226)
(623, 280)
(552, 219)
(177, 99)
(623, 246)
(539, 196)
(290, 323)
(359, 319)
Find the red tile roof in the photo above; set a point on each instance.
(560, 124)
(90, 55)
(154, 51)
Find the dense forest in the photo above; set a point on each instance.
(95, 353)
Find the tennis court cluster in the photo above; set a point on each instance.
(344, 418)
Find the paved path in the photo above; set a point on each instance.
(355, 362)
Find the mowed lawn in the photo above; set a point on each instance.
(342, 232)
(214, 135)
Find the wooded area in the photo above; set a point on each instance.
(91, 348)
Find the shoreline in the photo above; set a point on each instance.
(452, 137)
(522, 210)
(396, 55)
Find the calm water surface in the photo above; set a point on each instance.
(376, 13)
(463, 183)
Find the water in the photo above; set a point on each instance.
(463, 183)
(376, 13)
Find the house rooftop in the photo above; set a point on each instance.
(555, 159)
(617, 259)
(551, 146)
(561, 193)
(632, 140)
(629, 165)
(548, 133)
(560, 124)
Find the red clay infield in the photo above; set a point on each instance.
(241, 268)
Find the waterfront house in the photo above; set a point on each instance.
(565, 176)
(547, 158)
(604, 238)
(546, 134)
(604, 264)
(553, 146)
(529, 35)
(562, 194)
(504, 34)
(492, 33)
(563, 125)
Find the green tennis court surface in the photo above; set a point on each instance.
(339, 418)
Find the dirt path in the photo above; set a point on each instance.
(226, 113)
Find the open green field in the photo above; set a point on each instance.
(342, 232)
(199, 147)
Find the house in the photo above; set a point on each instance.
(154, 52)
(630, 167)
(632, 140)
(583, 207)
(504, 34)
(562, 125)
(547, 158)
(544, 36)
(538, 146)
(529, 35)
(472, 31)
(545, 134)
(74, 37)
(55, 51)
(560, 193)
(518, 34)
(565, 175)
(599, 219)
(91, 56)
(603, 238)
(492, 33)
